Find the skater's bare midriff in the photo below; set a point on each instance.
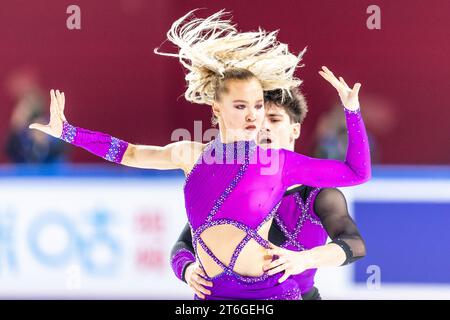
(222, 241)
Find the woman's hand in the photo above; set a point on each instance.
(55, 126)
(349, 97)
(291, 262)
(195, 281)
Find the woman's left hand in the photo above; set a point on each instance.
(349, 97)
(291, 262)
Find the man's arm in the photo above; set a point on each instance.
(182, 254)
(347, 244)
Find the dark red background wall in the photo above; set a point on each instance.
(115, 83)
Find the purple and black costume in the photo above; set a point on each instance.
(247, 194)
(304, 220)
(242, 185)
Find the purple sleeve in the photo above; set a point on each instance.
(98, 143)
(180, 260)
(356, 169)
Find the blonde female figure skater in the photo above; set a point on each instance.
(304, 220)
(232, 186)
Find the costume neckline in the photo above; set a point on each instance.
(231, 152)
(218, 142)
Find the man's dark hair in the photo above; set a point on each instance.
(295, 105)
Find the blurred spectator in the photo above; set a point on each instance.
(331, 132)
(22, 144)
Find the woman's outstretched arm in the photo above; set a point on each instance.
(177, 155)
(356, 168)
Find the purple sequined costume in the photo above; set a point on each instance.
(242, 185)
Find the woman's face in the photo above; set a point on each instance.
(240, 110)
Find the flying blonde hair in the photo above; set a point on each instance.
(209, 47)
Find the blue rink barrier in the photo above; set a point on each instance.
(408, 241)
(404, 225)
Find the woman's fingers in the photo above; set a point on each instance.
(40, 127)
(325, 76)
(53, 103)
(355, 90)
(328, 71)
(57, 104)
(60, 103)
(346, 94)
(54, 127)
(198, 283)
(334, 81)
(343, 82)
(201, 273)
(353, 97)
(63, 101)
(331, 79)
(58, 97)
(36, 126)
(332, 76)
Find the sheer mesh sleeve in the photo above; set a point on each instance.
(331, 207)
(182, 253)
(276, 236)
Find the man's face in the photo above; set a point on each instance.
(277, 130)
